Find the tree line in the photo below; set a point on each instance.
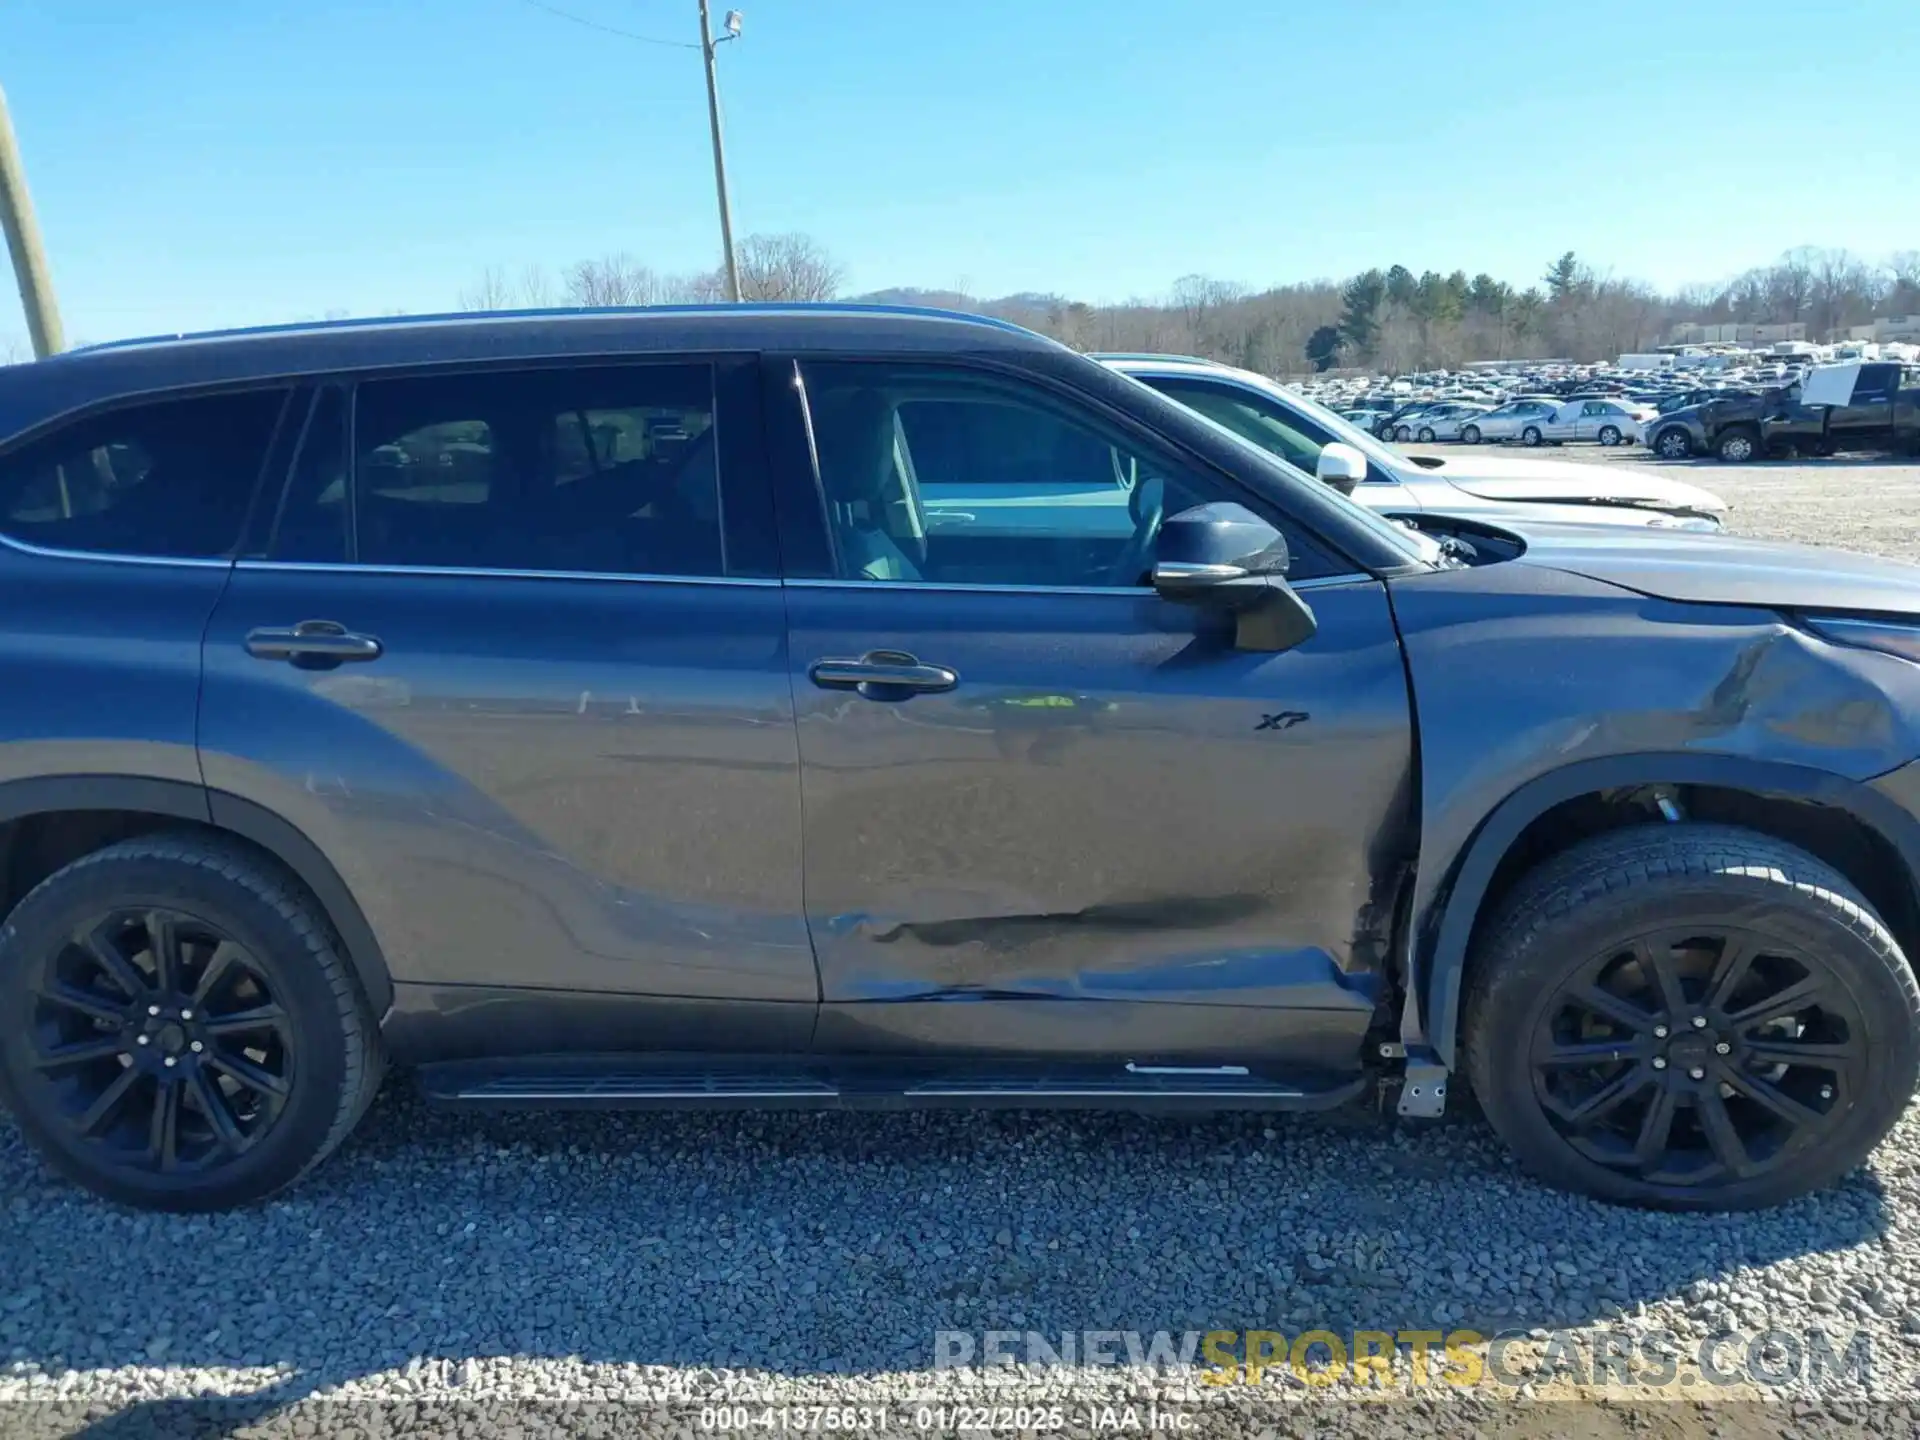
(1384, 319)
(1388, 319)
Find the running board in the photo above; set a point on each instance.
(801, 1083)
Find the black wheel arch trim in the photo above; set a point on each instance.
(46, 794)
(1442, 955)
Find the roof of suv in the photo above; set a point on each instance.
(39, 390)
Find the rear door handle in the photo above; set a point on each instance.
(321, 640)
(882, 670)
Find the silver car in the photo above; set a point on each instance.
(1506, 421)
(1608, 422)
(1437, 422)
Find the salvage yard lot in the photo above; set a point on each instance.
(813, 1258)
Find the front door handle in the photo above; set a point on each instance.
(881, 671)
(320, 641)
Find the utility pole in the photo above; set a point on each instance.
(23, 242)
(707, 46)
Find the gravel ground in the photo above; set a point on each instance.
(576, 1274)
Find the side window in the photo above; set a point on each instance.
(947, 476)
(1876, 380)
(171, 480)
(594, 469)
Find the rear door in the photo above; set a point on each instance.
(117, 532)
(1866, 421)
(1048, 812)
(511, 650)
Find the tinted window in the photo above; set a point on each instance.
(171, 479)
(1877, 380)
(602, 470)
(948, 476)
(312, 523)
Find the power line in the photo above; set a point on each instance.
(609, 29)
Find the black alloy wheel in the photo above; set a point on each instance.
(1698, 1055)
(160, 1042)
(179, 1026)
(1693, 1016)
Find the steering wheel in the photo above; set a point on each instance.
(1148, 507)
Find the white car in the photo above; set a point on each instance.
(1506, 421)
(1608, 422)
(1312, 438)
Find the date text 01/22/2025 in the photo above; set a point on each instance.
(941, 1419)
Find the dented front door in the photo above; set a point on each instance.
(1080, 822)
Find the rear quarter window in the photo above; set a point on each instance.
(171, 479)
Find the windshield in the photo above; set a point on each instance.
(1278, 421)
(1411, 542)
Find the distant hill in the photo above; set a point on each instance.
(909, 295)
(1026, 304)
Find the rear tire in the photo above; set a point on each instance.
(1638, 936)
(1609, 435)
(1737, 447)
(1531, 435)
(178, 1027)
(1470, 434)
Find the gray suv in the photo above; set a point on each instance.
(834, 706)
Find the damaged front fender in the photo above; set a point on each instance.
(1535, 687)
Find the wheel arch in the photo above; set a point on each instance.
(1448, 931)
(174, 800)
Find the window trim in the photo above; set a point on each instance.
(1151, 441)
(715, 362)
(337, 567)
(290, 389)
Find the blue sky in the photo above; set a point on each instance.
(204, 162)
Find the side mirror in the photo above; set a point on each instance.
(1341, 466)
(1226, 557)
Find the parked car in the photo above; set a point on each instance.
(1606, 422)
(1727, 426)
(1680, 399)
(1315, 440)
(1444, 422)
(1853, 406)
(927, 727)
(1388, 426)
(1505, 422)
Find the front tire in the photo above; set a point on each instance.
(1736, 447)
(1401, 433)
(178, 1028)
(1470, 434)
(1531, 436)
(1691, 1017)
(1426, 435)
(1673, 444)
